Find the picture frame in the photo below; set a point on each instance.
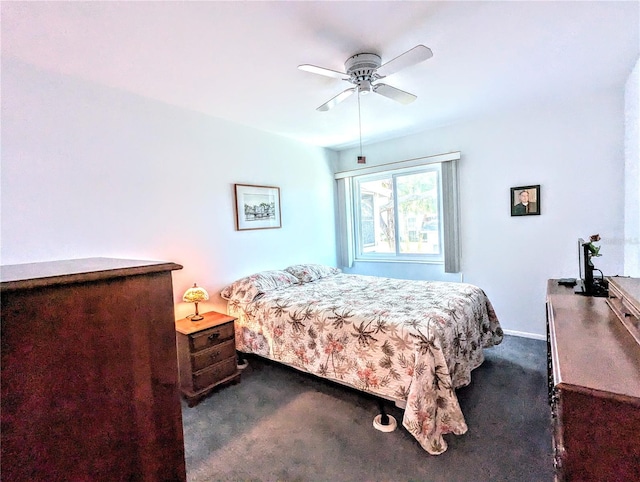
(257, 207)
(531, 197)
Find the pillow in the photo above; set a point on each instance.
(311, 272)
(255, 286)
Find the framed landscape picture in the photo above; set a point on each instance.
(257, 207)
(525, 200)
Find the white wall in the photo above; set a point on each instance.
(92, 171)
(574, 150)
(632, 174)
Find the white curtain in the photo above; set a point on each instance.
(451, 217)
(345, 222)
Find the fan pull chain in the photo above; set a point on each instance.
(361, 158)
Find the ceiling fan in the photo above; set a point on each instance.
(362, 70)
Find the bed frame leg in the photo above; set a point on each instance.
(242, 362)
(384, 422)
(384, 418)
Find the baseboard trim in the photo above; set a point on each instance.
(524, 334)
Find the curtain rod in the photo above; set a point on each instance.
(449, 156)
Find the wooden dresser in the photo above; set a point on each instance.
(89, 372)
(206, 354)
(594, 383)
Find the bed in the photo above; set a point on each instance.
(413, 342)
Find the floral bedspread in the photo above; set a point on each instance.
(407, 340)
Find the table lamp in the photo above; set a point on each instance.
(195, 294)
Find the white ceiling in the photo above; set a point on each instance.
(238, 60)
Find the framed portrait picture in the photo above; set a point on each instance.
(525, 200)
(257, 207)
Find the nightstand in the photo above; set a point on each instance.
(206, 354)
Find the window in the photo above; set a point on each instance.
(401, 211)
(397, 214)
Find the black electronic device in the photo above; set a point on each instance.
(567, 281)
(587, 284)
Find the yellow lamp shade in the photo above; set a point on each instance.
(195, 294)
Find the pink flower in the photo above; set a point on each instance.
(368, 377)
(301, 355)
(333, 346)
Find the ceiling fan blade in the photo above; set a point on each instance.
(417, 54)
(394, 94)
(322, 71)
(337, 99)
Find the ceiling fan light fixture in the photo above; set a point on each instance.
(364, 87)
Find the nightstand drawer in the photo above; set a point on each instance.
(211, 337)
(211, 356)
(209, 376)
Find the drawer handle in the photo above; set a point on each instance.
(213, 336)
(215, 354)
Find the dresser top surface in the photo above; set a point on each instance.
(591, 349)
(32, 275)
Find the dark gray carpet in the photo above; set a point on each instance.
(280, 424)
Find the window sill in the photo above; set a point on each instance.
(395, 260)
